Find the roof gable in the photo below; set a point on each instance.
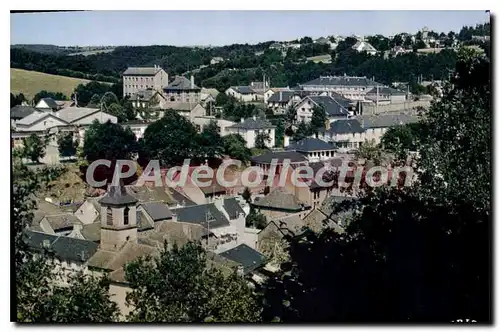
(249, 258)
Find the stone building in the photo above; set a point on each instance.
(137, 79)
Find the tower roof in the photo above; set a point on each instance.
(117, 195)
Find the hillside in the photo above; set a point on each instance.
(32, 82)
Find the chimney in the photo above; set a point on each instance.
(255, 118)
(281, 95)
(192, 82)
(46, 244)
(327, 125)
(242, 120)
(174, 216)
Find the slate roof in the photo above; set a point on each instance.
(181, 83)
(33, 117)
(249, 258)
(157, 211)
(181, 199)
(295, 157)
(386, 120)
(253, 123)
(331, 106)
(143, 222)
(142, 71)
(342, 81)
(232, 207)
(117, 195)
(62, 221)
(244, 90)
(384, 90)
(280, 199)
(284, 96)
(63, 247)
(347, 126)
(50, 103)
(92, 232)
(19, 112)
(197, 214)
(310, 144)
(70, 114)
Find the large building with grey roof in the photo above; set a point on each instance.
(351, 87)
(250, 128)
(137, 79)
(335, 107)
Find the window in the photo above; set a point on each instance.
(125, 215)
(109, 216)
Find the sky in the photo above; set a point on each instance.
(182, 28)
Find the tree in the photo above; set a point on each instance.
(420, 44)
(410, 254)
(171, 139)
(47, 94)
(247, 195)
(255, 219)
(66, 144)
(34, 148)
(262, 139)
(397, 40)
(178, 286)
(85, 92)
(303, 131)
(95, 101)
(211, 141)
(306, 40)
(235, 147)
(403, 139)
(16, 99)
(290, 115)
(370, 152)
(318, 119)
(108, 141)
(279, 136)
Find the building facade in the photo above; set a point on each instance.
(136, 79)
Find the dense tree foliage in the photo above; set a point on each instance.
(262, 139)
(171, 139)
(210, 141)
(16, 99)
(255, 219)
(108, 141)
(179, 286)
(86, 92)
(318, 119)
(66, 144)
(403, 139)
(235, 147)
(413, 254)
(34, 148)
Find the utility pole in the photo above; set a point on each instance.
(377, 100)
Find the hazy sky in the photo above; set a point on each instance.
(222, 27)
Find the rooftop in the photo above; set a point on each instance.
(293, 156)
(310, 144)
(280, 199)
(244, 90)
(253, 123)
(342, 81)
(332, 106)
(199, 214)
(142, 71)
(344, 126)
(249, 258)
(386, 120)
(117, 195)
(19, 112)
(181, 83)
(50, 103)
(70, 114)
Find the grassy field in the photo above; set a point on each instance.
(32, 82)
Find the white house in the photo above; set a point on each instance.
(347, 134)
(242, 93)
(47, 104)
(376, 126)
(313, 149)
(280, 101)
(386, 95)
(362, 46)
(335, 108)
(202, 121)
(269, 92)
(250, 128)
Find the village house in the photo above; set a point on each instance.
(250, 128)
(216, 60)
(279, 102)
(48, 105)
(350, 87)
(376, 126)
(386, 95)
(242, 93)
(137, 79)
(346, 134)
(280, 203)
(363, 46)
(270, 91)
(335, 108)
(148, 98)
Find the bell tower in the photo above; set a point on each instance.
(118, 218)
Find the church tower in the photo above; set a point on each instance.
(118, 218)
